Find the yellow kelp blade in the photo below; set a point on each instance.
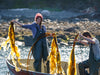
(59, 69)
(4, 44)
(14, 48)
(53, 57)
(14, 62)
(55, 60)
(72, 63)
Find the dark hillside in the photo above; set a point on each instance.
(49, 4)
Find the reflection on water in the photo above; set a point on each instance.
(81, 53)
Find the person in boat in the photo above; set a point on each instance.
(40, 50)
(93, 63)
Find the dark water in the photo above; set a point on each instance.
(81, 53)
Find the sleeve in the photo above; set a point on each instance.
(27, 26)
(32, 27)
(96, 41)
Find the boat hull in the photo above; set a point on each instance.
(22, 72)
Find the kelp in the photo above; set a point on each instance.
(40, 37)
(71, 70)
(55, 59)
(14, 49)
(4, 44)
(52, 56)
(59, 69)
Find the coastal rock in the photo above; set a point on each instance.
(45, 13)
(65, 28)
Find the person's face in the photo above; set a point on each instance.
(38, 20)
(88, 37)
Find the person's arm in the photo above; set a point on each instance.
(24, 26)
(17, 23)
(90, 40)
(83, 42)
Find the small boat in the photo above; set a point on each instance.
(31, 70)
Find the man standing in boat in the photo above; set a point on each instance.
(93, 63)
(40, 50)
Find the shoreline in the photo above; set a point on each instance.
(66, 27)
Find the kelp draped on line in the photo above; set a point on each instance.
(14, 49)
(71, 70)
(55, 59)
